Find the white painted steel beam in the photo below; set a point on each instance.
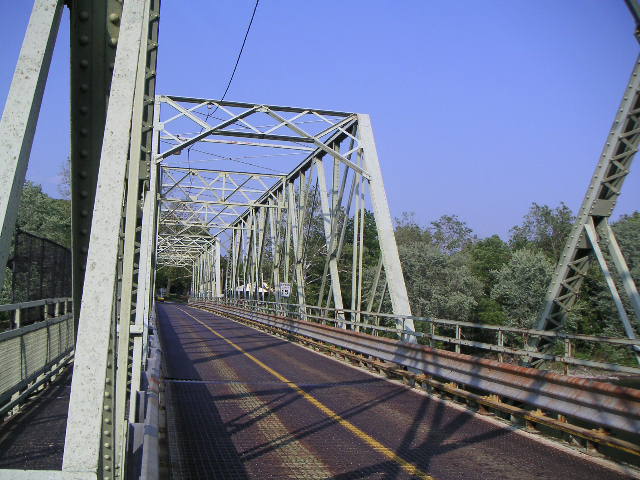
(21, 111)
(85, 424)
(384, 224)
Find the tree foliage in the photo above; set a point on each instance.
(439, 285)
(450, 273)
(544, 228)
(450, 234)
(486, 257)
(521, 285)
(44, 216)
(439, 282)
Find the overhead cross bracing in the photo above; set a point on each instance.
(307, 178)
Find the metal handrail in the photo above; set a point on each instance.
(31, 355)
(33, 303)
(567, 358)
(599, 403)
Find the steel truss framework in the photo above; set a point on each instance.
(113, 53)
(269, 226)
(592, 235)
(135, 191)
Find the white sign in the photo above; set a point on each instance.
(285, 289)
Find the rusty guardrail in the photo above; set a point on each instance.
(599, 403)
(500, 342)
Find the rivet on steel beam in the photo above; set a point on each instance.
(84, 213)
(84, 132)
(113, 41)
(111, 66)
(84, 153)
(84, 249)
(114, 18)
(84, 110)
(107, 408)
(84, 87)
(84, 39)
(107, 445)
(84, 63)
(84, 15)
(84, 231)
(106, 433)
(84, 193)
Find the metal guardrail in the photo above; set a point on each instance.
(144, 435)
(598, 403)
(48, 308)
(508, 342)
(31, 355)
(150, 463)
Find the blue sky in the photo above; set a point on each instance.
(479, 107)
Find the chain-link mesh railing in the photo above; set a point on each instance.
(40, 268)
(30, 355)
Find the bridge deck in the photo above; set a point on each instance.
(243, 404)
(34, 438)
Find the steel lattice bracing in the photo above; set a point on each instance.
(592, 233)
(246, 197)
(273, 223)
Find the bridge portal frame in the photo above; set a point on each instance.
(273, 218)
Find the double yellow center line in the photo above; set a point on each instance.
(407, 466)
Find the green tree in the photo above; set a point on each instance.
(490, 311)
(177, 280)
(44, 216)
(627, 231)
(486, 256)
(407, 230)
(438, 285)
(543, 228)
(450, 234)
(521, 285)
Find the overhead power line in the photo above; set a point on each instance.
(244, 41)
(233, 72)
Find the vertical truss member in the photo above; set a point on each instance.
(94, 32)
(119, 260)
(591, 231)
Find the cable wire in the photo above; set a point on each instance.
(233, 72)
(235, 67)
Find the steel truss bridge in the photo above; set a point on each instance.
(161, 389)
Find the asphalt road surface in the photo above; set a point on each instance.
(242, 404)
